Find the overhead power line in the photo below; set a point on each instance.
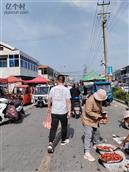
(92, 34)
(120, 11)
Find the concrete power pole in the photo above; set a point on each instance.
(104, 21)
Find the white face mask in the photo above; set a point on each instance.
(127, 125)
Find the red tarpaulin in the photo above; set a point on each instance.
(13, 79)
(38, 80)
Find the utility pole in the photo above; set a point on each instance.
(104, 21)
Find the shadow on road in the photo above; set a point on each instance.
(122, 124)
(70, 134)
(22, 118)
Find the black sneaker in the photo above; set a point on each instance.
(50, 148)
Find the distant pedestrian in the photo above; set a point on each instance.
(75, 92)
(92, 116)
(59, 104)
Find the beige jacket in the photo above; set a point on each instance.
(91, 113)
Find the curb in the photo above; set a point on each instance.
(120, 101)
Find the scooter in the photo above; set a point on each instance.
(19, 106)
(40, 102)
(76, 107)
(3, 107)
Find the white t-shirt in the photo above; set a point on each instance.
(59, 94)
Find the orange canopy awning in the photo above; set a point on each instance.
(3, 80)
(38, 80)
(13, 79)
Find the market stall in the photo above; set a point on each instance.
(112, 156)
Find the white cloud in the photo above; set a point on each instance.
(28, 30)
(119, 10)
(88, 4)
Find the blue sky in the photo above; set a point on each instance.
(61, 33)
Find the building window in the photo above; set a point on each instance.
(28, 65)
(25, 64)
(31, 66)
(45, 71)
(3, 62)
(13, 60)
(1, 48)
(22, 63)
(16, 57)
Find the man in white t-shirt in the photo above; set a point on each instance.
(60, 99)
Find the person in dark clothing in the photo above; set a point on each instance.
(85, 91)
(75, 93)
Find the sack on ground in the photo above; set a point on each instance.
(11, 112)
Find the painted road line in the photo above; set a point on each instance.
(44, 166)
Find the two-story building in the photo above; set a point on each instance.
(47, 72)
(17, 63)
(122, 75)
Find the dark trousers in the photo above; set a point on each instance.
(54, 125)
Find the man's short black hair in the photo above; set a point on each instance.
(61, 78)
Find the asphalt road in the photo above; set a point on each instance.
(23, 146)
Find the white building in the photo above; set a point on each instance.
(47, 72)
(15, 62)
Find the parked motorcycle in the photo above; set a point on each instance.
(19, 105)
(41, 101)
(76, 107)
(10, 111)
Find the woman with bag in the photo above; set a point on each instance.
(92, 116)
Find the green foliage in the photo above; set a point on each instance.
(127, 97)
(120, 94)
